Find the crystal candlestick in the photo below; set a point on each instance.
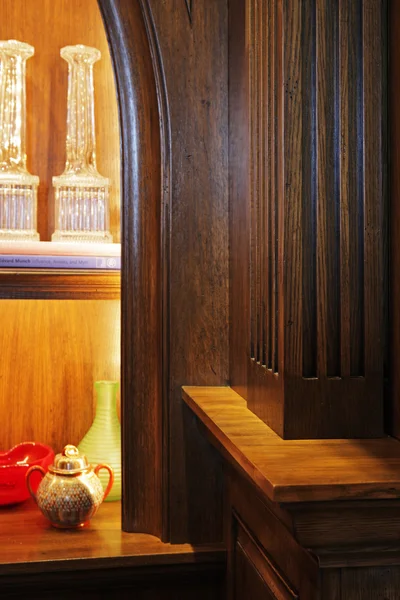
(18, 188)
(81, 193)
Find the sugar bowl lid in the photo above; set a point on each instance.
(69, 462)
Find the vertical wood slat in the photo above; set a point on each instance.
(268, 180)
(239, 213)
(262, 186)
(346, 178)
(328, 283)
(263, 91)
(393, 416)
(309, 190)
(373, 69)
(293, 184)
(351, 196)
(280, 187)
(273, 198)
(257, 82)
(356, 214)
(356, 224)
(264, 42)
(252, 200)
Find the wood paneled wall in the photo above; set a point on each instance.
(191, 41)
(308, 214)
(48, 25)
(52, 351)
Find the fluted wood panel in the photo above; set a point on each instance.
(343, 92)
(316, 198)
(264, 84)
(264, 42)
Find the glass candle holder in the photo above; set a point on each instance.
(81, 193)
(18, 188)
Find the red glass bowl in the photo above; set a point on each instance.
(13, 467)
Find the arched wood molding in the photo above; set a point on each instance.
(141, 291)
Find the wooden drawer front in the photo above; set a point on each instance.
(254, 576)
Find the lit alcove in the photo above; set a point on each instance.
(63, 330)
(60, 328)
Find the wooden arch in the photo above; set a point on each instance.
(127, 26)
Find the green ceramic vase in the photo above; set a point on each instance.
(102, 443)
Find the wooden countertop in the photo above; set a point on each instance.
(29, 544)
(295, 470)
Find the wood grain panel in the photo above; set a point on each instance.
(321, 123)
(370, 584)
(64, 284)
(48, 26)
(194, 61)
(52, 352)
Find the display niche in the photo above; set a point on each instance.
(60, 324)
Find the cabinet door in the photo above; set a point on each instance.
(254, 577)
(248, 582)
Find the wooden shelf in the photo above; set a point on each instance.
(291, 471)
(60, 284)
(29, 544)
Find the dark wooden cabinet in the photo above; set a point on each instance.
(307, 519)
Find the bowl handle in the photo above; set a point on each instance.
(110, 480)
(28, 477)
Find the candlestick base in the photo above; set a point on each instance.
(18, 200)
(82, 209)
